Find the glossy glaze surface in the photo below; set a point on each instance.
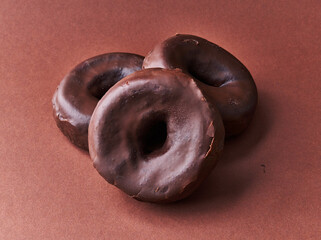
(79, 92)
(154, 136)
(225, 81)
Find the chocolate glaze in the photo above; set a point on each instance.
(154, 136)
(223, 78)
(79, 92)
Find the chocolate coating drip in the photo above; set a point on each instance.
(223, 78)
(154, 136)
(79, 92)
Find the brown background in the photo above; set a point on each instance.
(49, 189)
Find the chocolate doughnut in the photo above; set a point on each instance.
(79, 92)
(154, 136)
(223, 78)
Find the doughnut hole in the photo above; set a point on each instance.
(208, 73)
(152, 134)
(100, 84)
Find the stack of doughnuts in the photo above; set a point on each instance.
(155, 126)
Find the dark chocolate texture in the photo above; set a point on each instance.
(223, 78)
(154, 136)
(79, 92)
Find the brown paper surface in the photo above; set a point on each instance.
(267, 184)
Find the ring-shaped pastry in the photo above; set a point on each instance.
(222, 77)
(79, 92)
(154, 136)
